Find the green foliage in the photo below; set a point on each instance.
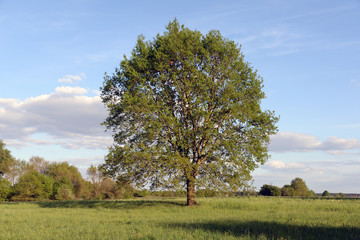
(33, 186)
(206, 192)
(186, 110)
(64, 192)
(144, 193)
(96, 177)
(340, 195)
(270, 190)
(300, 188)
(38, 164)
(125, 189)
(325, 193)
(5, 156)
(63, 189)
(63, 170)
(109, 189)
(10, 168)
(5, 189)
(287, 190)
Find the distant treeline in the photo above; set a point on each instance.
(298, 188)
(38, 179)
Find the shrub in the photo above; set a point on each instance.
(5, 189)
(270, 190)
(33, 186)
(326, 194)
(109, 189)
(287, 190)
(63, 190)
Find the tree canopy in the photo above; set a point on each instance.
(185, 110)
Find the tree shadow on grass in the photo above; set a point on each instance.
(271, 230)
(118, 204)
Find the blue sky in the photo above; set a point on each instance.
(53, 56)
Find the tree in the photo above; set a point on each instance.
(63, 170)
(326, 193)
(287, 190)
(63, 189)
(13, 168)
(270, 190)
(96, 177)
(5, 154)
(109, 189)
(8, 164)
(5, 189)
(340, 195)
(185, 111)
(300, 188)
(33, 186)
(38, 164)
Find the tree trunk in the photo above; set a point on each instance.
(190, 187)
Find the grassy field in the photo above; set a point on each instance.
(214, 218)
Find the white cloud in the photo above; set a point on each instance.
(297, 142)
(71, 90)
(72, 78)
(280, 164)
(299, 168)
(67, 115)
(293, 142)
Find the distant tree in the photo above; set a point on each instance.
(326, 194)
(64, 170)
(287, 190)
(5, 155)
(126, 190)
(9, 166)
(96, 177)
(5, 189)
(340, 195)
(311, 193)
(33, 186)
(109, 189)
(87, 190)
(38, 164)
(63, 189)
(270, 190)
(300, 188)
(13, 168)
(186, 111)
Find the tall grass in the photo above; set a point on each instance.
(214, 218)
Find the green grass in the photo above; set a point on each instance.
(214, 218)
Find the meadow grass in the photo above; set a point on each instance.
(213, 218)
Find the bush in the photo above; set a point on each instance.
(287, 190)
(340, 195)
(33, 186)
(109, 189)
(5, 189)
(326, 194)
(63, 190)
(270, 190)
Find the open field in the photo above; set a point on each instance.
(214, 218)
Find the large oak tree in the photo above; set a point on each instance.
(185, 109)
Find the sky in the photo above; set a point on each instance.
(54, 54)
